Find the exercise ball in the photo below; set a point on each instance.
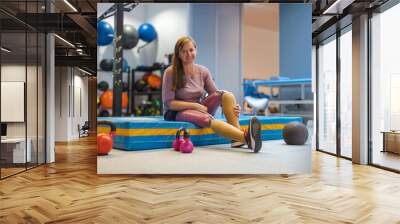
(106, 65)
(105, 33)
(106, 99)
(124, 100)
(147, 32)
(140, 85)
(130, 38)
(154, 81)
(295, 133)
(103, 86)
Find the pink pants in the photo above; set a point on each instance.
(202, 119)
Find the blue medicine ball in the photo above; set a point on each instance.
(105, 33)
(147, 32)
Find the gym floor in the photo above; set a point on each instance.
(275, 157)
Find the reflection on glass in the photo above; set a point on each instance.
(327, 96)
(23, 83)
(13, 71)
(386, 89)
(346, 94)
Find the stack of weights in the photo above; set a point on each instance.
(148, 108)
(148, 83)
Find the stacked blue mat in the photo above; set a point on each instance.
(152, 132)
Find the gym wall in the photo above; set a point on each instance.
(216, 29)
(295, 46)
(170, 21)
(260, 40)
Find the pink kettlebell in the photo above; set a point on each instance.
(183, 144)
(176, 144)
(187, 145)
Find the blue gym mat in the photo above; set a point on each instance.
(152, 132)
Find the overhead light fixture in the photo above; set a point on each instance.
(5, 50)
(65, 41)
(337, 7)
(70, 5)
(84, 71)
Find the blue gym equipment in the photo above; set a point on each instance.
(153, 132)
(147, 32)
(105, 33)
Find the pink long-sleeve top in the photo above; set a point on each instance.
(196, 86)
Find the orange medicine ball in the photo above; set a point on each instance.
(154, 81)
(107, 97)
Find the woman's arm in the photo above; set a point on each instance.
(209, 84)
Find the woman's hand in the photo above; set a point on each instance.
(201, 107)
(237, 109)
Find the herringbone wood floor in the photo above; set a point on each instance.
(70, 191)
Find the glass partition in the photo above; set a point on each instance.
(14, 154)
(385, 89)
(22, 89)
(346, 93)
(327, 95)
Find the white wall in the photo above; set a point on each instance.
(71, 95)
(80, 111)
(61, 103)
(14, 72)
(33, 127)
(171, 22)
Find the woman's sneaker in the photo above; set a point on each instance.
(253, 135)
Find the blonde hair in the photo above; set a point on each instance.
(178, 73)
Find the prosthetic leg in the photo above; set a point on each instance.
(232, 128)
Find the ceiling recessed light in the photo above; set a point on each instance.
(338, 6)
(70, 5)
(84, 71)
(65, 41)
(5, 50)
